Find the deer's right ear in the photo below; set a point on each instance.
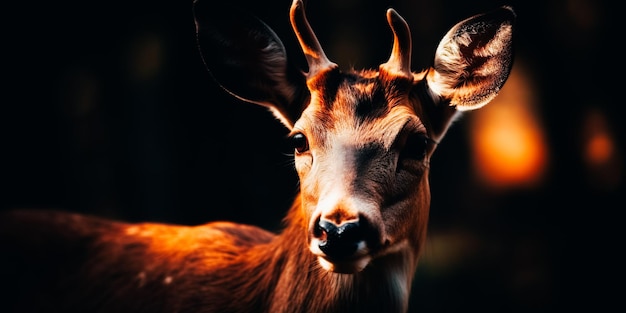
(248, 59)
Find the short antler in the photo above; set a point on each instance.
(313, 52)
(399, 62)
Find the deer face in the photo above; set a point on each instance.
(362, 139)
(362, 157)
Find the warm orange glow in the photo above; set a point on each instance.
(599, 146)
(508, 143)
(599, 149)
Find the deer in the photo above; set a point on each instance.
(362, 142)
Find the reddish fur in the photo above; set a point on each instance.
(91, 264)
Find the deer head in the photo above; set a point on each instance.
(362, 139)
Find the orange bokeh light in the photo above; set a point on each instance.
(508, 143)
(601, 153)
(599, 149)
(599, 145)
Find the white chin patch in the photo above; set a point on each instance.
(349, 267)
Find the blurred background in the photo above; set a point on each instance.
(107, 109)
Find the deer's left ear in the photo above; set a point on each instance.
(473, 60)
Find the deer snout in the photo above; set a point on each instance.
(339, 242)
(343, 247)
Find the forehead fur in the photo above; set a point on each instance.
(363, 106)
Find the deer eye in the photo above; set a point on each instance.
(299, 142)
(415, 147)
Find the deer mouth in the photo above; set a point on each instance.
(352, 263)
(349, 261)
(344, 267)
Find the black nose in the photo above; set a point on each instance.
(339, 242)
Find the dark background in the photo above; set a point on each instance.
(107, 109)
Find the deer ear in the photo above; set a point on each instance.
(473, 60)
(248, 60)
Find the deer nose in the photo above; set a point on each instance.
(339, 242)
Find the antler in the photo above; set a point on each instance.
(311, 47)
(399, 62)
